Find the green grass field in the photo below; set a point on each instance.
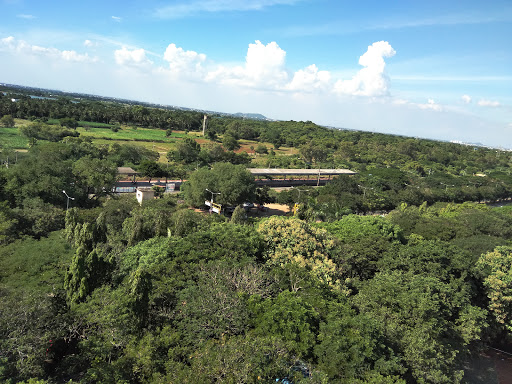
(129, 134)
(83, 123)
(151, 138)
(11, 138)
(161, 148)
(95, 125)
(154, 139)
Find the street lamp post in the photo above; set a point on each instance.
(69, 197)
(301, 190)
(364, 190)
(213, 195)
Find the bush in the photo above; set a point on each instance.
(7, 121)
(239, 216)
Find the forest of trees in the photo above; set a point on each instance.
(399, 274)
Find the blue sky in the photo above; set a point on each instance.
(438, 69)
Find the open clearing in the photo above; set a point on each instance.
(10, 138)
(271, 210)
(151, 138)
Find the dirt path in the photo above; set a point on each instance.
(270, 210)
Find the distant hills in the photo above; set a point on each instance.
(253, 116)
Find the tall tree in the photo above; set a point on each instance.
(187, 151)
(427, 322)
(231, 184)
(151, 169)
(497, 265)
(7, 121)
(291, 241)
(95, 176)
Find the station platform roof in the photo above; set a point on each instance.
(126, 171)
(299, 172)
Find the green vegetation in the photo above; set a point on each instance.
(129, 134)
(7, 121)
(10, 138)
(232, 184)
(110, 291)
(159, 293)
(498, 265)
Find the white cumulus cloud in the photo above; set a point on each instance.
(73, 56)
(89, 44)
(184, 62)
(489, 103)
(7, 41)
(22, 47)
(309, 78)
(265, 63)
(264, 68)
(372, 79)
(466, 99)
(133, 58)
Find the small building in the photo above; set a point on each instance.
(145, 193)
(125, 172)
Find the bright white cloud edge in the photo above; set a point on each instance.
(307, 94)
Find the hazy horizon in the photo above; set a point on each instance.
(439, 71)
(245, 113)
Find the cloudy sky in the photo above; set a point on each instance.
(436, 69)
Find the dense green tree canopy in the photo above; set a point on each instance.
(41, 131)
(417, 311)
(95, 175)
(7, 121)
(296, 242)
(230, 143)
(231, 184)
(187, 151)
(151, 169)
(115, 292)
(497, 266)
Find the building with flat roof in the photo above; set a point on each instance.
(299, 172)
(278, 176)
